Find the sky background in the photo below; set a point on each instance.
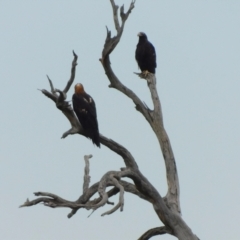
(198, 57)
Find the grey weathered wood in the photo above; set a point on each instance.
(173, 195)
(86, 178)
(155, 231)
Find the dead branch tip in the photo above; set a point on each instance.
(108, 33)
(122, 9)
(88, 156)
(25, 204)
(74, 54)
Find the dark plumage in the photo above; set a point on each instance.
(145, 54)
(85, 109)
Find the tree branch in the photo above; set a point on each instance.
(120, 150)
(110, 43)
(167, 209)
(62, 104)
(173, 195)
(154, 117)
(121, 199)
(128, 187)
(115, 15)
(73, 71)
(154, 232)
(65, 107)
(109, 46)
(86, 178)
(111, 178)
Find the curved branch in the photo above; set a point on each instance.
(110, 43)
(154, 117)
(121, 199)
(174, 221)
(73, 71)
(111, 178)
(128, 187)
(115, 15)
(141, 183)
(120, 150)
(48, 199)
(109, 46)
(115, 83)
(65, 107)
(77, 129)
(62, 104)
(154, 232)
(173, 195)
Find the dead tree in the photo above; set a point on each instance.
(167, 208)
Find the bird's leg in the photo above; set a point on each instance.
(145, 73)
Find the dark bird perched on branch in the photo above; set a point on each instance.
(145, 54)
(85, 109)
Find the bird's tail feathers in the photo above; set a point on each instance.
(96, 139)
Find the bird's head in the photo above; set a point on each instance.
(79, 88)
(142, 35)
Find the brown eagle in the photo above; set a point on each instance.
(145, 54)
(85, 109)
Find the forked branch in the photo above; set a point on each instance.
(110, 43)
(59, 97)
(112, 178)
(154, 117)
(109, 46)
(167, 208)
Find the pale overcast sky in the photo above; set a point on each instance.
(198, 57)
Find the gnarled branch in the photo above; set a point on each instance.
(154, 117)
(110, 43)
(65, 107)
(112, 178)
(62, 104)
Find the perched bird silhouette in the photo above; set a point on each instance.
(145, 54)
(85, 109)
